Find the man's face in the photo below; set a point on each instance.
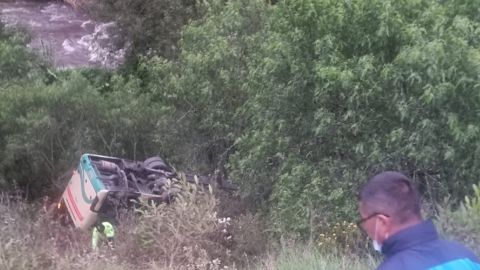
(375, 224)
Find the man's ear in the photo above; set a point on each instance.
(385, 221)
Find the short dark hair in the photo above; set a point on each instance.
(393, 194)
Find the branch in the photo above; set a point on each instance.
(113, 139)
(180, 119)
(103, 139)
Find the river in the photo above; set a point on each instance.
(69, 37)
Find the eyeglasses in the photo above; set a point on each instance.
(360, 223)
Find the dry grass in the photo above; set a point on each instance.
(186, 235)
(305, 259)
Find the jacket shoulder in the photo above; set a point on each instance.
(434, 255)
(458, 251)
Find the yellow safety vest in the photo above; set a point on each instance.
(108, 232)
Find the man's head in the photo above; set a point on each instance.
(388, 203)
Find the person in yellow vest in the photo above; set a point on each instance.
(101, 232)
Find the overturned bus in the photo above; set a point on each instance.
(100, 180)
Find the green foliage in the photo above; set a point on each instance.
(49, 118)
(43, 131)
(16, 61)
(46, 128)
(343, 237)
(461, 223)
(343, 90)
(316, 96)
(205, 89)
(302, 100)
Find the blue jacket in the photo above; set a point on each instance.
(419, 248)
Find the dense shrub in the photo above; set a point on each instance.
(16, 61)
(343, 237)
(45, 128)
(186, 232)
(461, 222)
(301, 101)
(315, 100)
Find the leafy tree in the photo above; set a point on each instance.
(15, 59)
(347, 89)
(44, 131)
(205, 88)
(317, 95)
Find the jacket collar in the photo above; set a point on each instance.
(409, 237)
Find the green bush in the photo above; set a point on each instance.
(461, 223)
(45, 128)
(342, 237)
(44, 131)
(307, 99)
(16, 61)
(341, 90)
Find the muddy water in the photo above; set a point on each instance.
(69, 37)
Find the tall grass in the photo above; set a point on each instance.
(29, 240)
(186, 235)
(312, 260)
